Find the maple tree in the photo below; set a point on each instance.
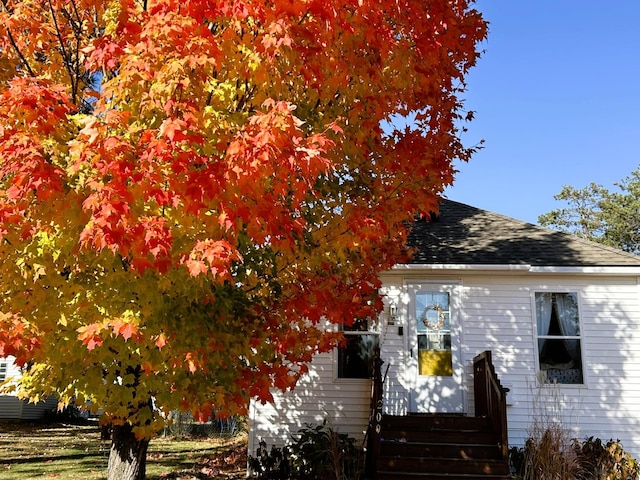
(190, 189)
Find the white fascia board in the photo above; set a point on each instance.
(414, 267)
(495, 269)
(623, 271)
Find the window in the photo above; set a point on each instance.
(3, 369)
(355, 358)
(433, 327)
(558, 337)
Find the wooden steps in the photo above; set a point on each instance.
(439, 446)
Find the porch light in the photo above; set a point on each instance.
(393, 313)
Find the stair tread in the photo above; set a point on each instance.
(438, 458)
(382, 475)
(439, 447)
(452, 444)
(431, 474)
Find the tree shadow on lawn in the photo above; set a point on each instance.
(36, 449)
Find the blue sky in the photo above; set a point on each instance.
(557, 101)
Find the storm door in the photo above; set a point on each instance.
(433, 359)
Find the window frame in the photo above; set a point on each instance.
(372, 329)
(580, 337)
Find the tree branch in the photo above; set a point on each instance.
(19, 52)
(65, 55)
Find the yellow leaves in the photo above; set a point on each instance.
(192, 363)
(233, 182)
(31, 270)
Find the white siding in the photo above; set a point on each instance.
(496, 312)
(498, 316)
(317, 397)
(11, 370)
(36, 411)
(11, 407)
(393, 348)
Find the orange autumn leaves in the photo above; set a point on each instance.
(189, 189)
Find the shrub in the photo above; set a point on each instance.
(270, 465)
(316, 452)
(319, 452)
(69, 414)
(546, 458)
(549, 456)
(608, 461)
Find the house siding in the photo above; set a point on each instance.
(344, 404)
(498, 316)
(496, 312)
(13, 408)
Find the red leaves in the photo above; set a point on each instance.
(35, 105)
(161, 341)
(124, 328)
(93, 335)
(103, 54)
(89, 335)
(173, 129)
(109, 227)
(17, 338)
(233, 188)
(275, 167)
(33, 112)
(284, 379)
(212, 256)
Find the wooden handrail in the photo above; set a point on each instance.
(375, 416)
(491, 398)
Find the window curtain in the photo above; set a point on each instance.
(567, 309)
(543, 312)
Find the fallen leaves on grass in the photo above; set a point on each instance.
(230, 463)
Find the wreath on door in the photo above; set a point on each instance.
(441, 316)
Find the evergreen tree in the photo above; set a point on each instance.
(595, 213)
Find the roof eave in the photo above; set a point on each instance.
(615, 270)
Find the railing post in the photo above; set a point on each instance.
(481, 384)
(490, 398)
(375, 417)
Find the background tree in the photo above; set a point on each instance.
(190, 189)
(595, 213)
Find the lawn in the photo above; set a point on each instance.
(31, 451)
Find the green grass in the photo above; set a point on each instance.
(64, 452)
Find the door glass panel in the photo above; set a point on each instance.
(433, 328)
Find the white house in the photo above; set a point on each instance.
(13, 408)
(560, 315)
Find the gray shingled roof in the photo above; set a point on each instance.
(464, 235)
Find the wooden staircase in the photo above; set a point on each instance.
(442, 446)
(439, 446)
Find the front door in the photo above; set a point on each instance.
(434, 365)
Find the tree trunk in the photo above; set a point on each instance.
(128, 456)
